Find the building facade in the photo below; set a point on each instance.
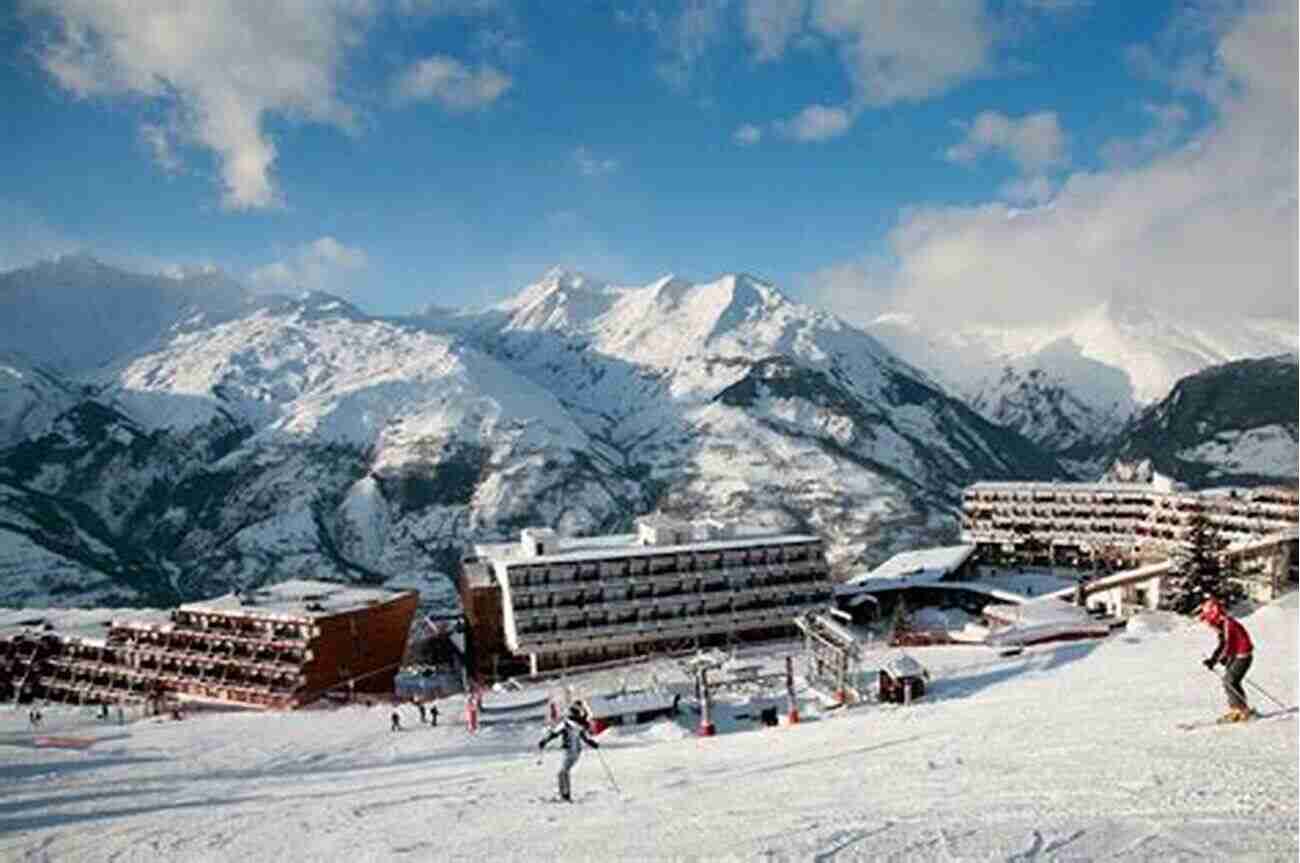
(1084, 525)
(549, 602)
(280, 646)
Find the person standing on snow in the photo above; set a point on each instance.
(575, 731)
(1235, 651)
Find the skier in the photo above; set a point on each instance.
(433, 715)
(396, 721)
(1234, 651)
(575, 729)
(420, 706)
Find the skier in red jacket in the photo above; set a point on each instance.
(1234, 651)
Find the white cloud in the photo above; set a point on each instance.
(816, 123)
(772, 24)
(1033, 142)
(158, 140)
(1167, 124)
(1027, 190)
(686, 37)
(1208, 228)
(449, 8)
(591, 165)
(747, 135)
(322, 265)
(899, 51)
(224, 69)
(450, 83)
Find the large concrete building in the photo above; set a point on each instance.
(1121, 524)
(549, 601)
(280, 646)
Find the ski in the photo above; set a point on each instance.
(1258, 717)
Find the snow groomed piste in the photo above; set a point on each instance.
(1066, 751)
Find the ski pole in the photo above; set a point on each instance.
(1264, 692)
(609, 773)
(1223, 679)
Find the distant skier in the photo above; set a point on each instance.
(575, 730)
(396, 721)
(1235, 651)
(419, 705)
(433, 715)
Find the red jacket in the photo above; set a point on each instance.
(1234, 641)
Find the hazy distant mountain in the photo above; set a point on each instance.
(1072, 388)
(75, 313)
(1232, 424)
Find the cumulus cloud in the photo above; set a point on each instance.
(816, 123)
(747, 135)
(1207, 228)
(1167, 125)
(450, 83)
(898, 51)
(591, 165)
(225, 68)
(322, 265)
(1034, 142)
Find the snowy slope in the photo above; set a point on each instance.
(1066, 752)
(30, 398)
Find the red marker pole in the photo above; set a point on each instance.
(792, 714)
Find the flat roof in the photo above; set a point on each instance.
(1039, 485)
(908, 568)
(626, 545)
(85, 624)
(298, 599)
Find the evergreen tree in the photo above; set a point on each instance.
(1199, 571)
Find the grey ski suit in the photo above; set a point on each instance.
(574, 733)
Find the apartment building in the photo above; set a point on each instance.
(549, 601)
(1079, 524)
(280, 646)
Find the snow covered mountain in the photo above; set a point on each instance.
(1072, 388)
(304, 437)
(1233, 424)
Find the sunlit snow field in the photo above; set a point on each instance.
(1066, 752)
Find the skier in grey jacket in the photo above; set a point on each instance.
(574, 730)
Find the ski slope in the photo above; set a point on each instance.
(1066, 752)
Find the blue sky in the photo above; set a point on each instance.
(1015, 159)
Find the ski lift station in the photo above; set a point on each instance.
(551, 602)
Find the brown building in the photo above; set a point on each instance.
(281, 646)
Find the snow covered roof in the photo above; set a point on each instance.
(85, 624)
(626, 545)
(298, 599)
(1015, 485)
(902, 665)
(909, 568)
